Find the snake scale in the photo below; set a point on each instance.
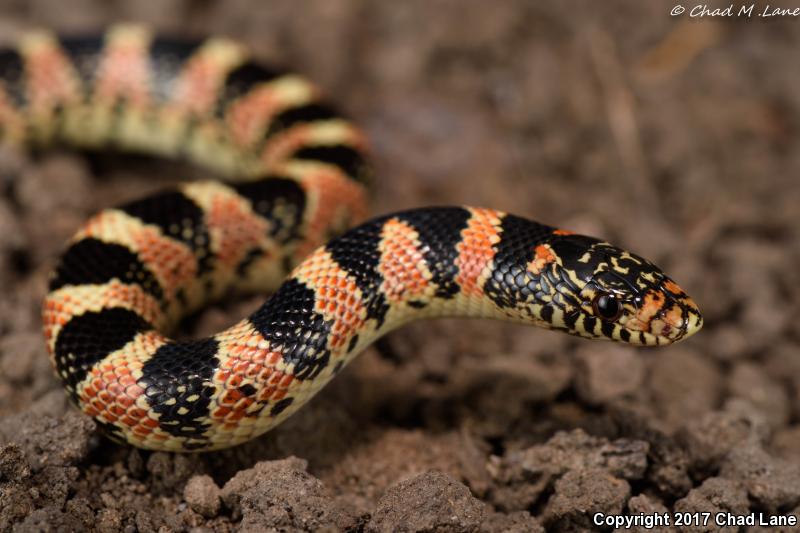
(301, 179)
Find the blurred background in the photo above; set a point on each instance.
(672, 136)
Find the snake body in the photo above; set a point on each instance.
(130, 273)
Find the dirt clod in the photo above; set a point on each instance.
(645, 505)
(13, 465)
(770, 481)
(581, 493)
(608, 372)
(282, 495)
(170, 471)
(52, 441)
(714, 496)
(684, 385)
(524, 475)
(49, 519)
(202, 495)
(711, 437)
(752, 383)
(432, 501)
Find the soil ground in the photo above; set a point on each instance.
(674, 137)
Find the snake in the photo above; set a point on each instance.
(288, 216)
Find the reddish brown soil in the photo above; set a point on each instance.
(672, 138)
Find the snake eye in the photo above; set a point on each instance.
(606, 306)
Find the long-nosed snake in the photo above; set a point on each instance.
(131, 273)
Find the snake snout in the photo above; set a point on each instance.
(666, 315)
(694, 320)
(679, 317)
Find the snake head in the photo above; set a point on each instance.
(607, 292)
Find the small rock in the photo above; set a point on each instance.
(13, 466)
(48, 440)
(135, 463)
(144, 522)
(50, 518)
(750, 382)
(202, 495)
(428, 502)
(607, 372)
(80, 510)
(170, 471)
(668, 461)
(646, 506)
(108, 520)
(771, 482)
(395, 454)
(54, 483)
(684, 385)
(714, 496)
(524, 475)
(282, 495)
(711, 437)
(579, 494)
(15, 504)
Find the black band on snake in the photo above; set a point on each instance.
(298, 177)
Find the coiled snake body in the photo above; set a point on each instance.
(130, 273)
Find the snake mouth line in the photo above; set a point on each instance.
(694, 321)
(689, 322)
